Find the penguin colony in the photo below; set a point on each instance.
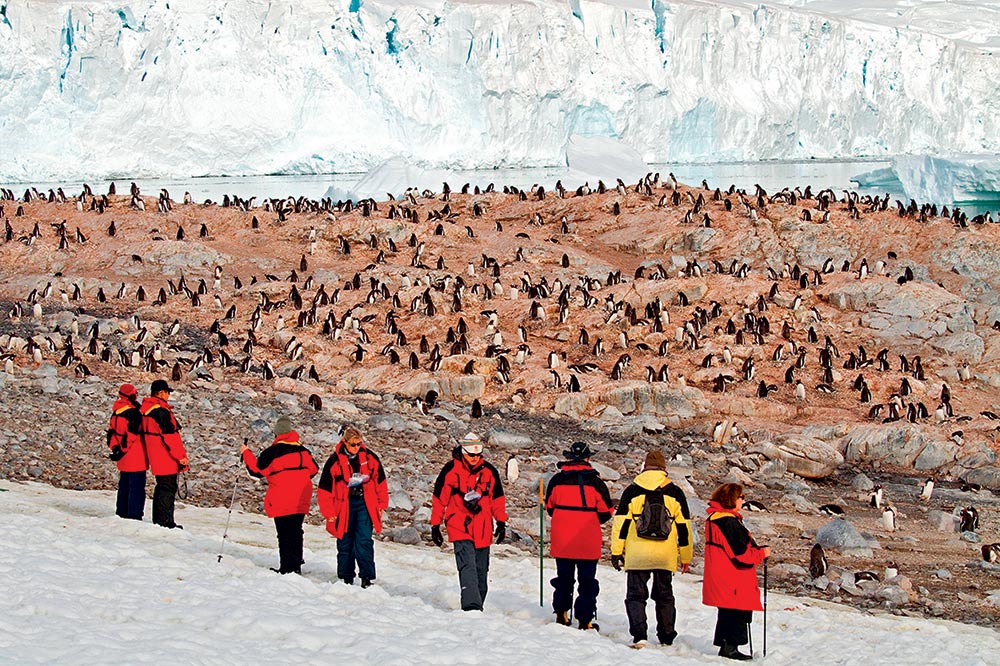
(539, 303)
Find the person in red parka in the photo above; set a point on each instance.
(731, 559)
(468, 497)
(125, 442)
(579, 503)
(352, 496)
(289, 468)
(161, 434)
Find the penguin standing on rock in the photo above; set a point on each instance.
(817, 561)
(925, 494)
(969, 519)
(889, 519)
(875, 498)
(513, 469)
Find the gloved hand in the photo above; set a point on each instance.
(618, 561)
(501, 532)
(436, 535)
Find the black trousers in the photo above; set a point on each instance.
(473, 573)
(637, 591)
(289, 530)
(732, 627)
(164, 494)
(586, 600)
(131, 495)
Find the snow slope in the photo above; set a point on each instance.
(84, 587)
(179, 88)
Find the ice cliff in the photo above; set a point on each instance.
(175, 87)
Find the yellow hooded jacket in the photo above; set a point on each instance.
(647, 554)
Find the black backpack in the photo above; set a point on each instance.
(655, 522)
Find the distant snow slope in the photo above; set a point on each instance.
(82, 586)
(173, 88)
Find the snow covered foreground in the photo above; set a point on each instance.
(82, 586)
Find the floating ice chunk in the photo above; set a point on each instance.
(393, 176)
(594, 158)
(942, 180)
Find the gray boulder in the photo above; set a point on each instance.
(987, 477)
(842, 536)
(942, 521)
(507, 439)
(804, 456)
(406, 535)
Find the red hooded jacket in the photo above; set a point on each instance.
(333, 494)
(124, 431)
(467, 522)
(731, 558)
(162, 436)
(289, 468)
(579, 504)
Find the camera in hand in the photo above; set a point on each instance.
(117, 453)
(471, 500)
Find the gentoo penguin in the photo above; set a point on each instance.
(817, 561)
(513, 469)
(889, 519)
(831, 510)
(925, 494)
(991, 553)
(800, 390)
(875, 498)
(315, 402)
(891, 571)
(865, 575)
(751, 505)
(969, 519)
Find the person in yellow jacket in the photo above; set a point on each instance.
(651, 536)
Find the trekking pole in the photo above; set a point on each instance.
(225, 533)
(541, 543)
(765, 607)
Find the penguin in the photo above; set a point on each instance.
(817, 561)
(991, 552)
(513, 469)
(891, 571)
(315, 402)
(969, 519)
(928, 488)
(889, 519)
(831, 510)
(752, 505)
(875, 498)
(865, 575)
(477, 409)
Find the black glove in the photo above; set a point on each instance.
(501, 532)
(618, 561)
(436, 535)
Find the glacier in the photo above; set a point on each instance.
(92, 88)
(942, 179)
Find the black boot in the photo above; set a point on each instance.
(730, 651)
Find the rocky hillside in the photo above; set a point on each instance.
(768, 337)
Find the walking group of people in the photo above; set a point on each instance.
(651, 535)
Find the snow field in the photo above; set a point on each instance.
(85, 587)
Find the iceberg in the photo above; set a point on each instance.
(178, 89)
(601, 158)
(942, 180)
(392, 177)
